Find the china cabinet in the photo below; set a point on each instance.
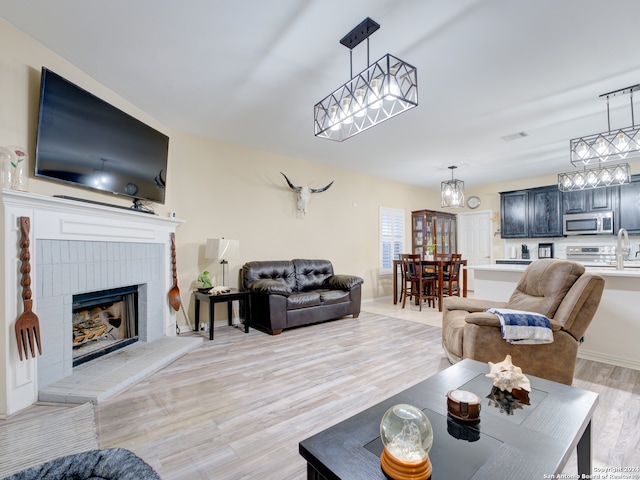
(433, 232)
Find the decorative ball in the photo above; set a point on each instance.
(406, 433)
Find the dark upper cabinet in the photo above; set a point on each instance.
(514, 214)
(628, 211)
(544, 212)
(531, 213)
(586, 201)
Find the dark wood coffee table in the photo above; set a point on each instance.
(531, 441)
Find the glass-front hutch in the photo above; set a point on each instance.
(433, 232)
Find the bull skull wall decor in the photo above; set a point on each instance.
(304, 193)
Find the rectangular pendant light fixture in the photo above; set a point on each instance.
(603, 176)
(600, 149)
(383, 90)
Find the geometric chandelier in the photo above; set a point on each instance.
(610, 145)
(602, 176)
(452, 192)
(600, 148)
(383, 90)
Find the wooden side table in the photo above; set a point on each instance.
(234, 294)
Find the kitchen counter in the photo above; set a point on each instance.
(612, 336)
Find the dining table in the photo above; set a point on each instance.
(438, 266)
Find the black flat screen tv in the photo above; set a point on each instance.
(87, 142)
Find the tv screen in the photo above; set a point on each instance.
(84, 141)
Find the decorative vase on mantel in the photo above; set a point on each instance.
(14, 168)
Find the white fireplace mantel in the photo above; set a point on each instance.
(55, 218)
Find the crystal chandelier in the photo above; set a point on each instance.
(452, 192)
(383, 90)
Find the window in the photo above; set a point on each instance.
(391, 237)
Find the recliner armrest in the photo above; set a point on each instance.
(470, 304)
(267, 285)
(342, 282)
(485, 319)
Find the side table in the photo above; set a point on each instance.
(234, 294)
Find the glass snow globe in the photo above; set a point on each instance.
(407, 436)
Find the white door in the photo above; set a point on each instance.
(475, 240)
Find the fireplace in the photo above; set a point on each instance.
(76, 248)
(103, 321)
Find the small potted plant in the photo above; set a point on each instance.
(429, 250)
(204, 280)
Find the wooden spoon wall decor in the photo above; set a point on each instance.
(174, 293)
(27, 325)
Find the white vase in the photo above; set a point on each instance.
(16, 175)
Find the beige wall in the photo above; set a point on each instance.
(235, 192)
(224, 190)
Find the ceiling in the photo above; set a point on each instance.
(249, 72)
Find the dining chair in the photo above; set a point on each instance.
(418, 284)
(451, 276)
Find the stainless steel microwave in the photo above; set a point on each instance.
(588, 223)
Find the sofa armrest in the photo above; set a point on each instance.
(485, 319)
(470, 304)
(267, 285)
(342, 282)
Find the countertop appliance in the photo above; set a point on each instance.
(588, 223)
(545, 250)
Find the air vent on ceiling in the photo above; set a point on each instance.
(514, 136)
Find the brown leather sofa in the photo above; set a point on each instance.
(559, 289)
(292, 293)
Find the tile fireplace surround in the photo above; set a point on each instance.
(76, 247)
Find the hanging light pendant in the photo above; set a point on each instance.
(610, 145)
(452, 192)
(383, 90)
(603, 176)
(602, 148)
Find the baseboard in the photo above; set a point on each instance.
(610, 359)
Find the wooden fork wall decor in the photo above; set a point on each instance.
(27, 325)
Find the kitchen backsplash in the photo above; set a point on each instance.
(560, 244)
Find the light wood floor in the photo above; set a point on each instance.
(237, 407)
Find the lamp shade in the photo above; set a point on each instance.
(222, 249)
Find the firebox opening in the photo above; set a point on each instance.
(104, 321)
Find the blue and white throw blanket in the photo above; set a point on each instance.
(523, 328)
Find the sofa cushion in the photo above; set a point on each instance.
(302, 300)
(280, 270)
(331, 297)
(311, 274)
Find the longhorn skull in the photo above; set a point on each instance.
(304, 193)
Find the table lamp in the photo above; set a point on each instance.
(224, 250)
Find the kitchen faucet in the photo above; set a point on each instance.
(623, 248)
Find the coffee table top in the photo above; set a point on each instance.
(534, 440)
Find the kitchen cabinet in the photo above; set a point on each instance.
(587, 201)
(531, 213)
(628, 211)
(514, 214)
(430, 227)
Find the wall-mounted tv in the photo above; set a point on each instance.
(84, 141)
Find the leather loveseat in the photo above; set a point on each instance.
(291, 293)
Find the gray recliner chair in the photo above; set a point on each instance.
(559, 289)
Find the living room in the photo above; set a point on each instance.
(225, 189)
